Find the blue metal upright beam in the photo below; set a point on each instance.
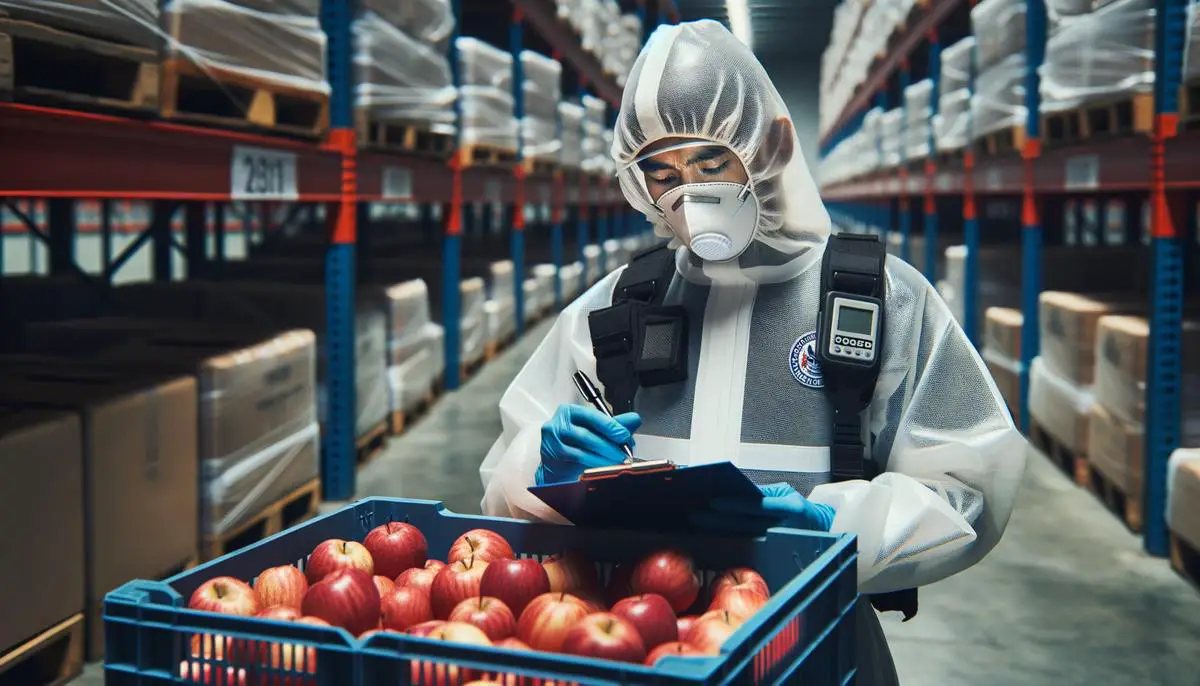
(905, 206)
(931, 215)
(1165, 366)
(516, 45)
(452, 241)
(1031, 226)
(338, 450)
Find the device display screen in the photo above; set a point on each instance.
(855, 320)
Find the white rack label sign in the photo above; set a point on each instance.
(262, 174)
(1083, 172)
(397, 183)
(942, 182)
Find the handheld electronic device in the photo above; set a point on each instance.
(851, 329)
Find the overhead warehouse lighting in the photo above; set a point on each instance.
(739, 20)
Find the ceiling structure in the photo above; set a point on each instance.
(798, 28)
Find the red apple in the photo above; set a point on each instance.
(673, 648)
(546, 619)
(227, 596)
(481, 682)
(481, 544)
(512, 643)
(685, 624)
(420, 578)
(425, 628)
(652, 616)
(347, 598)
(742, 601)
(440, 673)
(515, 582)
(605, 636)
(203, 673)
(668, 573)
(284, 585)
(712, 630)
(490, 615)
(570, 572)
(384, 584)
(454, 584)
(280, 612)
(435, 565)
(334, 554)
(405, 607)
(739, 576)
(395, 547)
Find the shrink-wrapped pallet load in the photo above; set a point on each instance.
(999, 99)
(570, 117)
(1183, 502)
(891, 141)
(486, 95)
(951, 126)
(134, 22)
(542, 88)
(1002, 354)
(918, 114)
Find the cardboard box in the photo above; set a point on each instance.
(1115, 449)
(1008, 380)
(1002, 331)
(1184, 514)
(1122, 354)
(139, 467)
(1068, 324)
(41, 522)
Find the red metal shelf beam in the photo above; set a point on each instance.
(57, 153)
(897, 53)
(543, 16)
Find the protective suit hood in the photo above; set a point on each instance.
(697, 81)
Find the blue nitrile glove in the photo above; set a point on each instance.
(781, 505)
(578, 438)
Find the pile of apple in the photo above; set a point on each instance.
(484, 595)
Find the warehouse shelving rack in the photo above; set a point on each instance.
(62, 157)
(1135, 165)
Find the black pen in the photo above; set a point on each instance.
(592, 394)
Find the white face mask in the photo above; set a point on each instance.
(716, 221)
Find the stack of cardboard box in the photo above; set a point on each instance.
(1002, 354)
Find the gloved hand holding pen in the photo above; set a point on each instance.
(578, 438)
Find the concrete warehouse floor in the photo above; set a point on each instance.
(1067, 598)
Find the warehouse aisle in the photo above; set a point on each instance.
(1068, 598)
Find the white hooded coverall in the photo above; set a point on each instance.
(949, 455)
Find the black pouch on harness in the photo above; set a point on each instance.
(638, 341)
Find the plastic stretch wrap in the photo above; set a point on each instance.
(285, 50)
(1106, 53)
(1191, 51)
(534, 301)
(481, 64)
(1115, 448)
(487, 117)
(891, 129)
(542, 90)
(545, 275)
(571, 117)
(956, 66)
(128, 21)
(429, 21)
(500, 317)
(1122, 350)
(571, 276)
(1060, 407)
(245, 490)
(1183, 494)
(952, 125)
(473, 321)
(407, 313)
(595, 111)
(918, 108)
(999, 99)
(500, 281)
(1057, 10)
(591, 261)
(399, 78)
(415, 367)
(999, 30)
(370, 379)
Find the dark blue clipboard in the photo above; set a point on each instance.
(657, 501)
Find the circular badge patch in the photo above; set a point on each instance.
(803, 361)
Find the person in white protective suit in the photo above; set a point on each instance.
(699, 115)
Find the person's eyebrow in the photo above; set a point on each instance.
(653, 166)
(706, 154)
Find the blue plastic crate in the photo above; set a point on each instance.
(804, 635)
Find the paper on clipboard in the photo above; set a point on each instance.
(660, 500)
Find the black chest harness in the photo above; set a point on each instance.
(639, 342)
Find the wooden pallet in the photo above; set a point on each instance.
(403, 419)
(406, 136)
(537, 167)
(372, 443)
(1006, 141)
(219, 97)
(1126, 506)
(1185, 559)
(485, 156)
(288, 511)
(1128, 115)
(1073, 464)
(44, 65)
(53, 657)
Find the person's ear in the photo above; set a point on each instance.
(778, 145)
